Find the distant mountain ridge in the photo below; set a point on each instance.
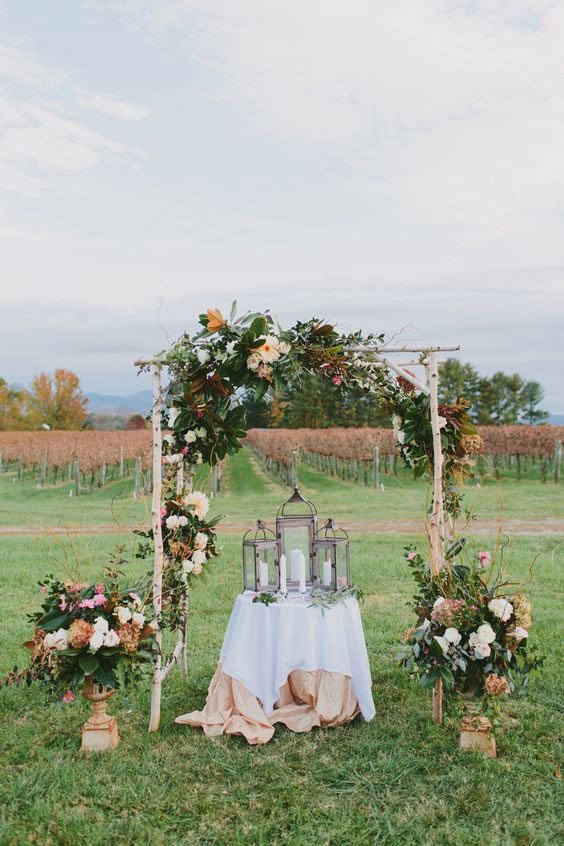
(138, 403)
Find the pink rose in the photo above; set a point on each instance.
(184, 450)
(43, 589)
(99, 589)
(336, 380)
(86, 603)
(99, 599)
(411, 555)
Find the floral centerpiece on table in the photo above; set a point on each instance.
(99, 631)
(471, 632)
(189, 543)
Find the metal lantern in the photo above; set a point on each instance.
(261, 554)
(331, 557)
(296, 525)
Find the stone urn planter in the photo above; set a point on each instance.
(475, 728)
(100, 732)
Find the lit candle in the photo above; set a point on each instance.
(283, 573)
(327, 573)
(263, 574)
(301, 572)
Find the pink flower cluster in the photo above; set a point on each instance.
(445, 612)
(485, 558)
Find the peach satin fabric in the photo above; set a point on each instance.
(308, 698)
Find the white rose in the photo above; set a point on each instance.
(101, 625)
(518, 633)
(396, 422)
(443, 643)
(56, 640)
(183, 520)
(501, 608)
(172, 522)
(203, 355)
(201, 432)
(453, 636)
(187, 566)
(123, 614)
(172, 415)
(201, 540)
(190, 437)
(400, 436)
(169, 439)
(482, 650)
(138, 618)
(438, 601)
(96, 641)
(111, 638)
(442, 422)
(253, 361)
(197, 569)
(199, 557)
(486, 633)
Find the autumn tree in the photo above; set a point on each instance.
(56, 400)
(13, 408)
(136, 421)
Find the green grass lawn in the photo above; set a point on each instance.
(397, 780)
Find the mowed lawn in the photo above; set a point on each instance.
(397, 780)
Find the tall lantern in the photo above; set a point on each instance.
(331, 557)
(261, 553)
(296, 525)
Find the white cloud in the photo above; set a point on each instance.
(105, 104)
(42, 136)
(454, 108)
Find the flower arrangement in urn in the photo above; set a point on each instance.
(91, 635)
(471, 633)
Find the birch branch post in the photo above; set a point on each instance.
(155, 719)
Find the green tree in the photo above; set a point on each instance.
(532, 395)
(458, 380)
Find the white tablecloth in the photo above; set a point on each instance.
(263, 644)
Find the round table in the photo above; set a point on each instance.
(290, 662)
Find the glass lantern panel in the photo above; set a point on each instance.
(342, 568)
(324, 559)
(249, 567)
(267, 569)
(295, 540)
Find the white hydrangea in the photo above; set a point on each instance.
(96, 641)
(111, 638)
(123, 614)
(56, 640)
(101, 625)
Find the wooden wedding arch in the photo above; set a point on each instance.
(427, 360)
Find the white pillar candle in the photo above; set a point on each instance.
(294, 564)
(263, 573)
(283, 573)
(301, 572)
(327, 573)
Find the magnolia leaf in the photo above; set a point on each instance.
(88, 663)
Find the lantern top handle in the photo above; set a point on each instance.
(297, 498)
(330, 530)
(260, 529)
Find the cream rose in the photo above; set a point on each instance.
(482, 650)
(172, 415)
(199, 557)
(123, 614)
(101, 625)
(518, 633)
(56, 640)
(453, 636)
(197, 569)
(138, 618)
(201, 432)
(501, 608)
(486, 633)
(199, 502)
(190, 437)
(111, 638)
(201, 540)
(96, 641)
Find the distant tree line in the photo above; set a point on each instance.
(496, 400)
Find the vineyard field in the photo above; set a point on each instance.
(364, 454)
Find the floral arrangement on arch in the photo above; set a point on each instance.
(189, 543)
(471, 632)
(100, 630)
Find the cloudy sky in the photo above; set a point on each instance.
(394, 165)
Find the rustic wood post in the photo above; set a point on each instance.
(185, 601)
(557, 460)
(121, 463)
(158, 541)
(436, 523)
